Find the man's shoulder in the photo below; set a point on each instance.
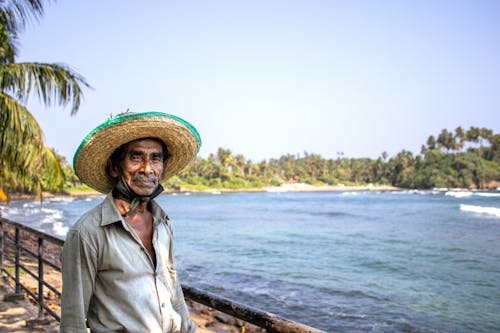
(90, 220)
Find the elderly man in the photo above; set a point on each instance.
(118, 268)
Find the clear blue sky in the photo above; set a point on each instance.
(266, 77)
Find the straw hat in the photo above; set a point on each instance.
(181, 138)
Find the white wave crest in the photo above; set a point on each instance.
(488, 194)
(481, 210)
(458, 194)
(350, 193)
(465, 194)
(60, 199)
(60, 228)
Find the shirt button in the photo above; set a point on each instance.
(162, 305)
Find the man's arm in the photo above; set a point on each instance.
(180, 306)
(78, 275)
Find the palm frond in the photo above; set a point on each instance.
(8, 46)
(52, 83)
(16, 180)
(16, 14)
(52, 175)
(21, 138)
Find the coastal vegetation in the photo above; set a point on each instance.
(462, 158)
(26, 164)
(459, 159)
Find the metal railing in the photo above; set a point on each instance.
(23, 247)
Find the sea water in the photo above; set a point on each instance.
(368, 261)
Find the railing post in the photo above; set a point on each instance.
(3, 235)
(41, 320)
(40, 277)
(17, 261)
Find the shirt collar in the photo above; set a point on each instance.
(110, 213)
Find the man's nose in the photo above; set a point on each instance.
(146, 166)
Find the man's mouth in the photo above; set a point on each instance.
(145, 180)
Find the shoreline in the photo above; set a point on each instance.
(295, 187)
(302, 187)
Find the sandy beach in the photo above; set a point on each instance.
(301, 187)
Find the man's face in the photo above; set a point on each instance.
(142, 165)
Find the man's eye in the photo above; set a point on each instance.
(135, 157)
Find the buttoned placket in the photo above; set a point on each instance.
(162, 291)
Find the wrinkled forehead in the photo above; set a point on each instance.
(140, 144)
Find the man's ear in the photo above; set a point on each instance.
(112, 169)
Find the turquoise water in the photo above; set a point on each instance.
(370, 261)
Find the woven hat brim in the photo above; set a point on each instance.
(181, 138)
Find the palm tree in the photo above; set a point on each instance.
(22, 151)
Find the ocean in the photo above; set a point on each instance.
(364, 261)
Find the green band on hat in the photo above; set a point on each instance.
(120, 118)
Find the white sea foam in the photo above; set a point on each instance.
(481, 210)
(350, 193)
(487, 194)
(32, 206)
(10, 212)
(54, 213)
(60, 228)
(421, 192)
(404, 192)
(458, 194)
(60, 199)
(465, 194)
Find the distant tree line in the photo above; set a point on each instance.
(463, 158)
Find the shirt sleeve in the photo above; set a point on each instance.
(180, 307)
(179, 302)
(79, 263)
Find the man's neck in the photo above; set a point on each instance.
(124, 206)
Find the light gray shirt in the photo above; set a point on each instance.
(110, 280)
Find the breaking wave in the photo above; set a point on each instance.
(464, 194)
(458, 194)
(481, 210)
